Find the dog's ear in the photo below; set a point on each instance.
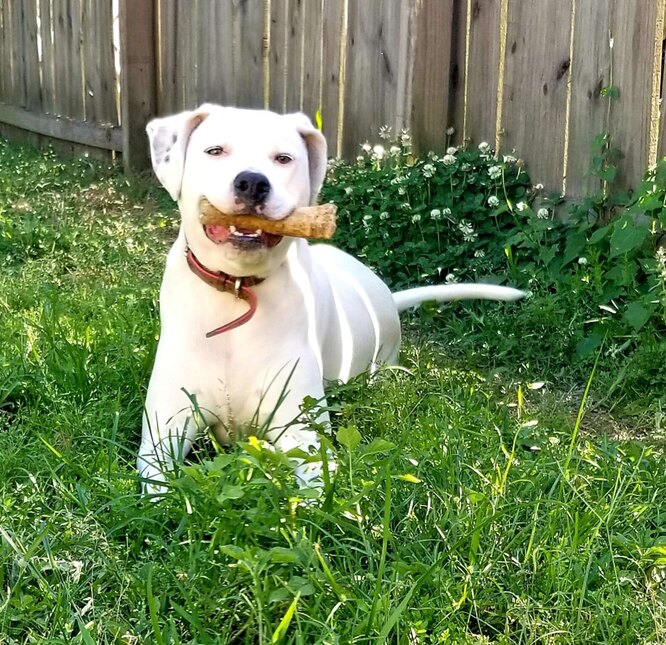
(316, 145)
(169, 137)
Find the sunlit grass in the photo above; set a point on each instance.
(460, 511)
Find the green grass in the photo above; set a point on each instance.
(466, 506)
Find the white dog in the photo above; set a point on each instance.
(320, 314)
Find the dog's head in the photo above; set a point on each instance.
(243, 161)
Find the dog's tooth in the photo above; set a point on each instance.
(258, 231)
(232, 229)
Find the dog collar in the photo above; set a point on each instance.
(240, 287)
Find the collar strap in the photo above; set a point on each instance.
(240, 287)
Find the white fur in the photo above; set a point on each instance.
(321, 315)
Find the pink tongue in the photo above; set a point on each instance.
(217, 233)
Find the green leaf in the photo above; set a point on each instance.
(586, 346)
(378, 445)
(349, 437)
(230, 491)
(637, 315)
(599, 234)
(626, 237)
(281, 629)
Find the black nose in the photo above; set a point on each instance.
(252, 188)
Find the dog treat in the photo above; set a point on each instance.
(314, 222)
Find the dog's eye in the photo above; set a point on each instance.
(283, 159)
(214, 151)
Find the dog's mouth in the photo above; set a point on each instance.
(240, 237)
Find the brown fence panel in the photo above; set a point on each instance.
(478, 53)
(534, 105)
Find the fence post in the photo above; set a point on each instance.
(138, 73)
(432, 74)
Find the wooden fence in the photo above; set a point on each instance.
(524, 75)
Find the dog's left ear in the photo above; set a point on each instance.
(316, 145)
(169, 137)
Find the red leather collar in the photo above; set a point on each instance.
(240, 287)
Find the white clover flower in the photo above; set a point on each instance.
(366, 147)
(348, 190)
(661, 262)
(521, 206)
(378, 151)
(582, 260)
(402, 190)
(465, 167)
(450, 278)
(480, 253)
(543, 213)
(450, 130)
(435, 214)
(493, 202)
(509, 159)
(538, 187)
(385, 132)
(446, 211)
(416, 218)
(484, 147)
(405, 138)
(394, 151)
(451, 150)
(406, 206)
(383, 215)
(428, 170)
(448, 160)
(495, 172)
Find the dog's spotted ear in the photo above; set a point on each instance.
(169, 137)
(316, 145)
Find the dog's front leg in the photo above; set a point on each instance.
(166, 438)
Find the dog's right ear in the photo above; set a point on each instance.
(169, 137)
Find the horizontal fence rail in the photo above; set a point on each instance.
(540, 79)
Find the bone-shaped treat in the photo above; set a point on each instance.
(314, 222)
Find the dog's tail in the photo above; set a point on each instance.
(447, 292)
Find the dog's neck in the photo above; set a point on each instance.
(240, 287)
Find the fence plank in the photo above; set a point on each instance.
(33, 90)
(248, 20)
(48, 57)
(477, 101)
(313, 24)
(279, 55)
(535, 85)
(222, 80)
(432, 75)
(107, 137)
(139, 95)
(633, 36)
(373, 70)
(98, 56)
(296, 66)
(332, 85)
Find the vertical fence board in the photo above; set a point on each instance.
(331, 84)
(139, 95)
(432, 75)
(477, 113)
(98, 56)
(48, 58)
(313, 24)
(633, 38)
(373, 70)
(590, 73)
(279, 55)
(33, 89)
(295, 69)
(221, 71)
(167, 84)
(535, 85)
(248, 68)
